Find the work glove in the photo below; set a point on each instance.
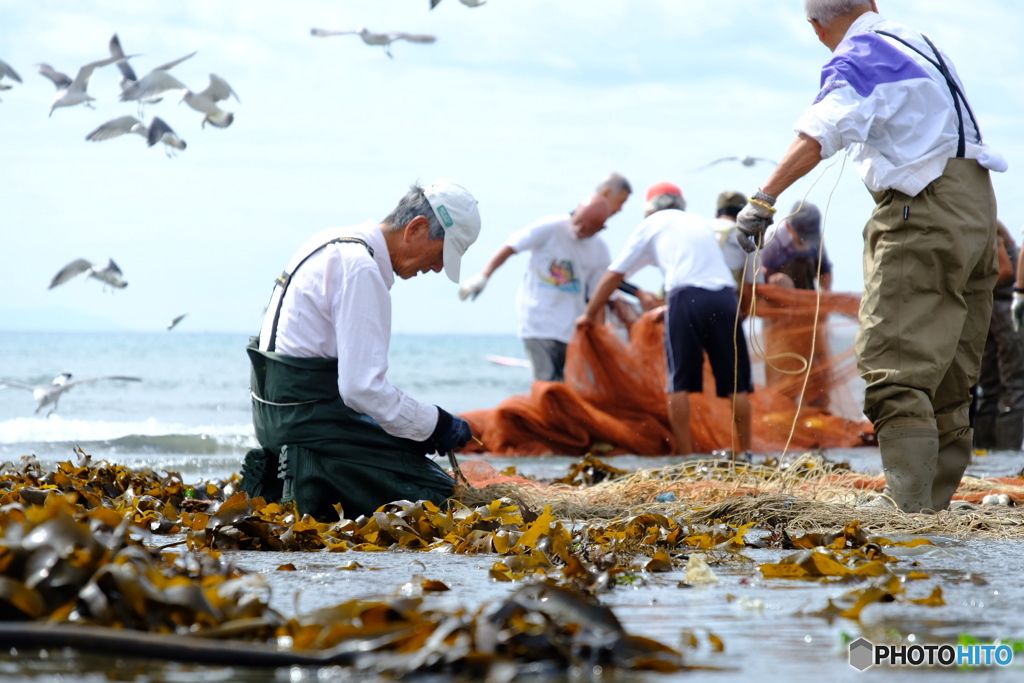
(450, 433)
(753, 219)
(472, 287)
(1018, 311)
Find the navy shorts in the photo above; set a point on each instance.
(700, 320)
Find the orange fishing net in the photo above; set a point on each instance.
(613, 399)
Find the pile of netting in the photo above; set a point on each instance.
(800, 493)
(613, 398)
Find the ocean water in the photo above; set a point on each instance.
(191, 411)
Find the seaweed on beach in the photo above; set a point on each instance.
(97, 587)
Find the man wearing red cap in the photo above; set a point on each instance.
(702, 308)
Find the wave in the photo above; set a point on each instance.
(150, 436)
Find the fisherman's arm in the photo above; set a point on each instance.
(594, 312)
(362, 315)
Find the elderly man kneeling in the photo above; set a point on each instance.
(333, 430)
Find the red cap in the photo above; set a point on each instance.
(663, 188)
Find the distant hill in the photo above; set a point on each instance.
(54, 320)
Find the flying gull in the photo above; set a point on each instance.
(156, 131)
(109, 274)
(174, 322)
(206, 102)
(71, 92)
(745, 160)
(47, 394)
(128, 78)
(467, 3)
(155, 82)
(371, 38)
(6, 70)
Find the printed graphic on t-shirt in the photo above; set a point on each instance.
(561, 277)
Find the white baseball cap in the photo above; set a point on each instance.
(456, 208)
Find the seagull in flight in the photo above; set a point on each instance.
(72, 91)
(47, 394)
(371, 38)
(128, 78)
(158, 80)
(174, 322)
(467, 3)
(745, 160)
(156, 131)
(6, 70)
(206, 102)
(110, 274)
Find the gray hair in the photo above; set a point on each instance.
(664, 201)
(414, 204)
(827, 11)
(616, 183)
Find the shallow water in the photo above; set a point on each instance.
(191, 415)
(762, 622)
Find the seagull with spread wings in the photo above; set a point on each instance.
(745, 160)
(72, 91)
(154, 83)
(371, 38)
(156, 131)
(6, 70)
(206, 102)
(47, 394)
(109, 274)
(128, 78)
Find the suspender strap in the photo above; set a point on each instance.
(285, 279)
(954, 90)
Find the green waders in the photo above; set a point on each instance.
(319, 452)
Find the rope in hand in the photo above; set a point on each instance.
(754, 341)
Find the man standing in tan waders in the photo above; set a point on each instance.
(894, 102)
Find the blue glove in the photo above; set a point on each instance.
(450, 433)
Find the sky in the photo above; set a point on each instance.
(528, 103)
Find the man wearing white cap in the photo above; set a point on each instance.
(333, 430)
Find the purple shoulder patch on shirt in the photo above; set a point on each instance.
(865, 61)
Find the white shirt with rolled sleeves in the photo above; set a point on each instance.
(891, 109)
(338, 305)
(562, 274)
(683, 247)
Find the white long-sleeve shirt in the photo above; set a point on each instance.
(891, 109)
(338, 305)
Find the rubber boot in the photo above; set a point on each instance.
(909, 456)
(1010, 431)
(950, 466)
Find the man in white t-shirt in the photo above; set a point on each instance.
(701, 312)
(566, 261)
